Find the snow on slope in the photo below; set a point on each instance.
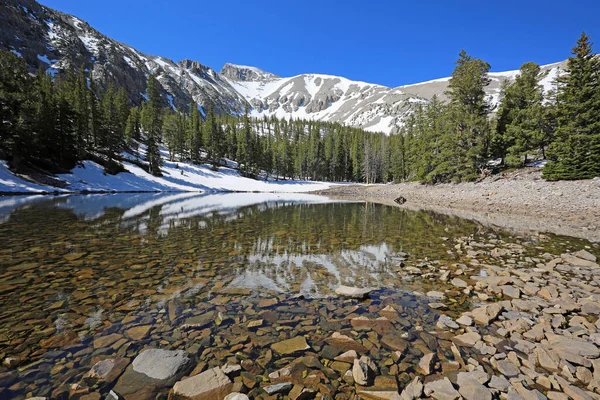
(176, 177)
(323, 97)
(10, 183)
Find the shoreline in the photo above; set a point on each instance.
(520, 201)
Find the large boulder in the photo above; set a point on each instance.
(152, 370)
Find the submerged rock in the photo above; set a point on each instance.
(291, 346)
(152, 370)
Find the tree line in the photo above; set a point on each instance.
(456, 140)
(55, 121)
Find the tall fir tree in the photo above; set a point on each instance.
(152, 117)
(521, 128)
(575, 153)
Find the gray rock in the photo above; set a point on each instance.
(507, 368)
(152, 370)
(211, 384)
(107, 370)
(160, 364)
(436, 295)
(459, 283)
(413, 390)
(446, 321)
(585, 255)
(278, 388)
(353, 292)
(236, 396)
(441, 389)
(471, 389)
(467, 339)
(500, 383)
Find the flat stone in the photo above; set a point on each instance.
(511, 291)
(60, 340)
(291, 346)
(395, 342)
(436, 295)
(564, 347)
(211, 384)
(236, 396)
(150, 371)
(572, 391)
(106, 341)
(353, 292)
(465, 320)
(467, 339)
(360, 372)
(441, 389)
(283, 387)
(585, 255)
(545, 360)
(160, 364)
(138, 332)
(459, 283)
(199, 321)
(426, 364)
(345, 343)
(528, 394)
(499, 382)
(471, 389)
(507, 368)
(447, 322)
(107, 370)
(255, 324)
(578, 262)
(414, 390)
(347, 357)
(591, 307)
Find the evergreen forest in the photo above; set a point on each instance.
(52, 122)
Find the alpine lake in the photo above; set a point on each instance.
(127, 295)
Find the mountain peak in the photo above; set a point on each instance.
(245, 73)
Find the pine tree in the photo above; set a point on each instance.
(15, 91)
(152, 119)
(194, 132)
(521, 128)
(575, 153)
(468, 112)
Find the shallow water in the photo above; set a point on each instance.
(77, 273)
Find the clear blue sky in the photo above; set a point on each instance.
(390, 42)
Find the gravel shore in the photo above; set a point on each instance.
(519, 201)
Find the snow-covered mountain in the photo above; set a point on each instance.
(46, 38)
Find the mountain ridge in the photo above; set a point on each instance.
(51, 39)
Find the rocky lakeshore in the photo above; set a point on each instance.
(507, 320)
(520, 200)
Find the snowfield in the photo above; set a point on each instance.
(178, 177)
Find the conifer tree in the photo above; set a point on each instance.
(575, 154)
(521, 128)
(15, 90)
(194, 132)
(468, 112)
(152, 117)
